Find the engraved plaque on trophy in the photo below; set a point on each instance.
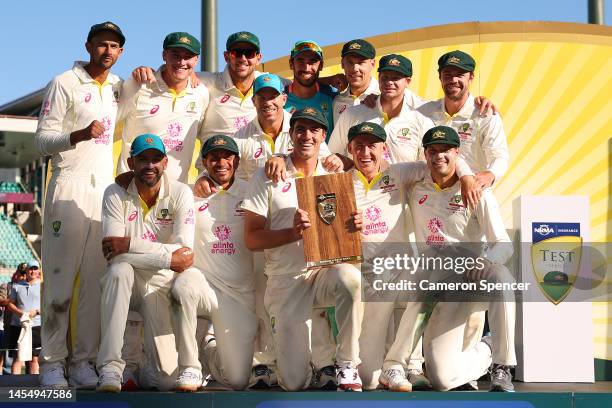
(329, 201)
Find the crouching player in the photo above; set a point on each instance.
(221, 287)
(442, 223)
(148, 234)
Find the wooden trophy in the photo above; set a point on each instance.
(329, 201)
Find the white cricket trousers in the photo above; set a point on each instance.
(71, 244)
(290, 299)
(148, 292)
(234, 320)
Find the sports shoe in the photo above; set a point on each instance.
(393, 379)
(501, 379)
(189, 380)
(129, 383)
(260, 377)
(468, 386)
(347, 377)
(325, 379)
(83, 376)
(52, 376)
(109, 380)
(417, 379)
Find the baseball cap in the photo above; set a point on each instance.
(267, 81)
(309, 113)
(369, 128)
(182, 40)
(441, 135)
(218, 142)
(302, 46)
(146, 142)
(33, 264)
(242, 36)
(106, 26)
(359, 47)
(397, 63)
(457, 59)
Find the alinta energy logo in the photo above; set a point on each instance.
(556, 255)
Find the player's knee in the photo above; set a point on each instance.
(442, 378)
(118, 273)
(183, 290)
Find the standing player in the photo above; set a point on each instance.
(358, 61)
(148, 233)
(306, 62)
(404, 126)
(169, 107)
(275, 224)
(483, 141)
(76, 128)
(222, 288)
(440, 225)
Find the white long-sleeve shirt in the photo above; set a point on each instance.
(404, 132)
(72, 101)
(155, 232)
(175, 118)
(483, 140)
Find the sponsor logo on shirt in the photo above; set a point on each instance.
(258, 153)
(149, 236)
(435, 239)
(342, 109)
(224, 98)
(223, 232)
(88, 97)
(240, 122)
(376, 225)
(154, 110)
(190, 220)
(175, 129)
(105, 138)
(133, 216)
(423, 199)
(46, 108)
(203, 207)
(286, 187)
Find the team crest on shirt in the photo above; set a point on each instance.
(324, 106)
(455, 204)
(465, 132)
(191, 107)
(56, 226)
(238, 210)
(115, 96)
(387, 184)
(164, 217)
(403, 135)
(435, 238)
(46, 108)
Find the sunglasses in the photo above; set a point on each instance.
(306, 46)
(247, 52)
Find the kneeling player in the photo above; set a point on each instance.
(222, 286)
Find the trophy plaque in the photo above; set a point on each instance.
(329, 201)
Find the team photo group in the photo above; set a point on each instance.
(154, 283)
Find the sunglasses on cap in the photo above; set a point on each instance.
(306, 46)
(247, 52)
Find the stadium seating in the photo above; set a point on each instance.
(13, 246)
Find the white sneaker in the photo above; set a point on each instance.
(109, 380)
(52, 376)
(189, 380)
(83, 376)
(395, 380)
(417, 379)
(348, 377)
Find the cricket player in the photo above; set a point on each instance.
(306, 62)
(75, 128)
(440, 221)
(275, 224)
(148, 233)
(380, 192)
(358, 61)
(404, 126)
(222, 288)
(483, 140)
(169, 107)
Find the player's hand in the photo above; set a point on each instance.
(333, 164)
(370, 101)
(471, 191)
(301, 221)
(355, 223)
(339, 82)
(124, 179)
(33, 313)
(144, 75)
(485, 179)
(93, 131)
(477, 274)
(276, 169)
(195, 81)
(113, 246)
(204, 187)
(182, 259)
(485, 106)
